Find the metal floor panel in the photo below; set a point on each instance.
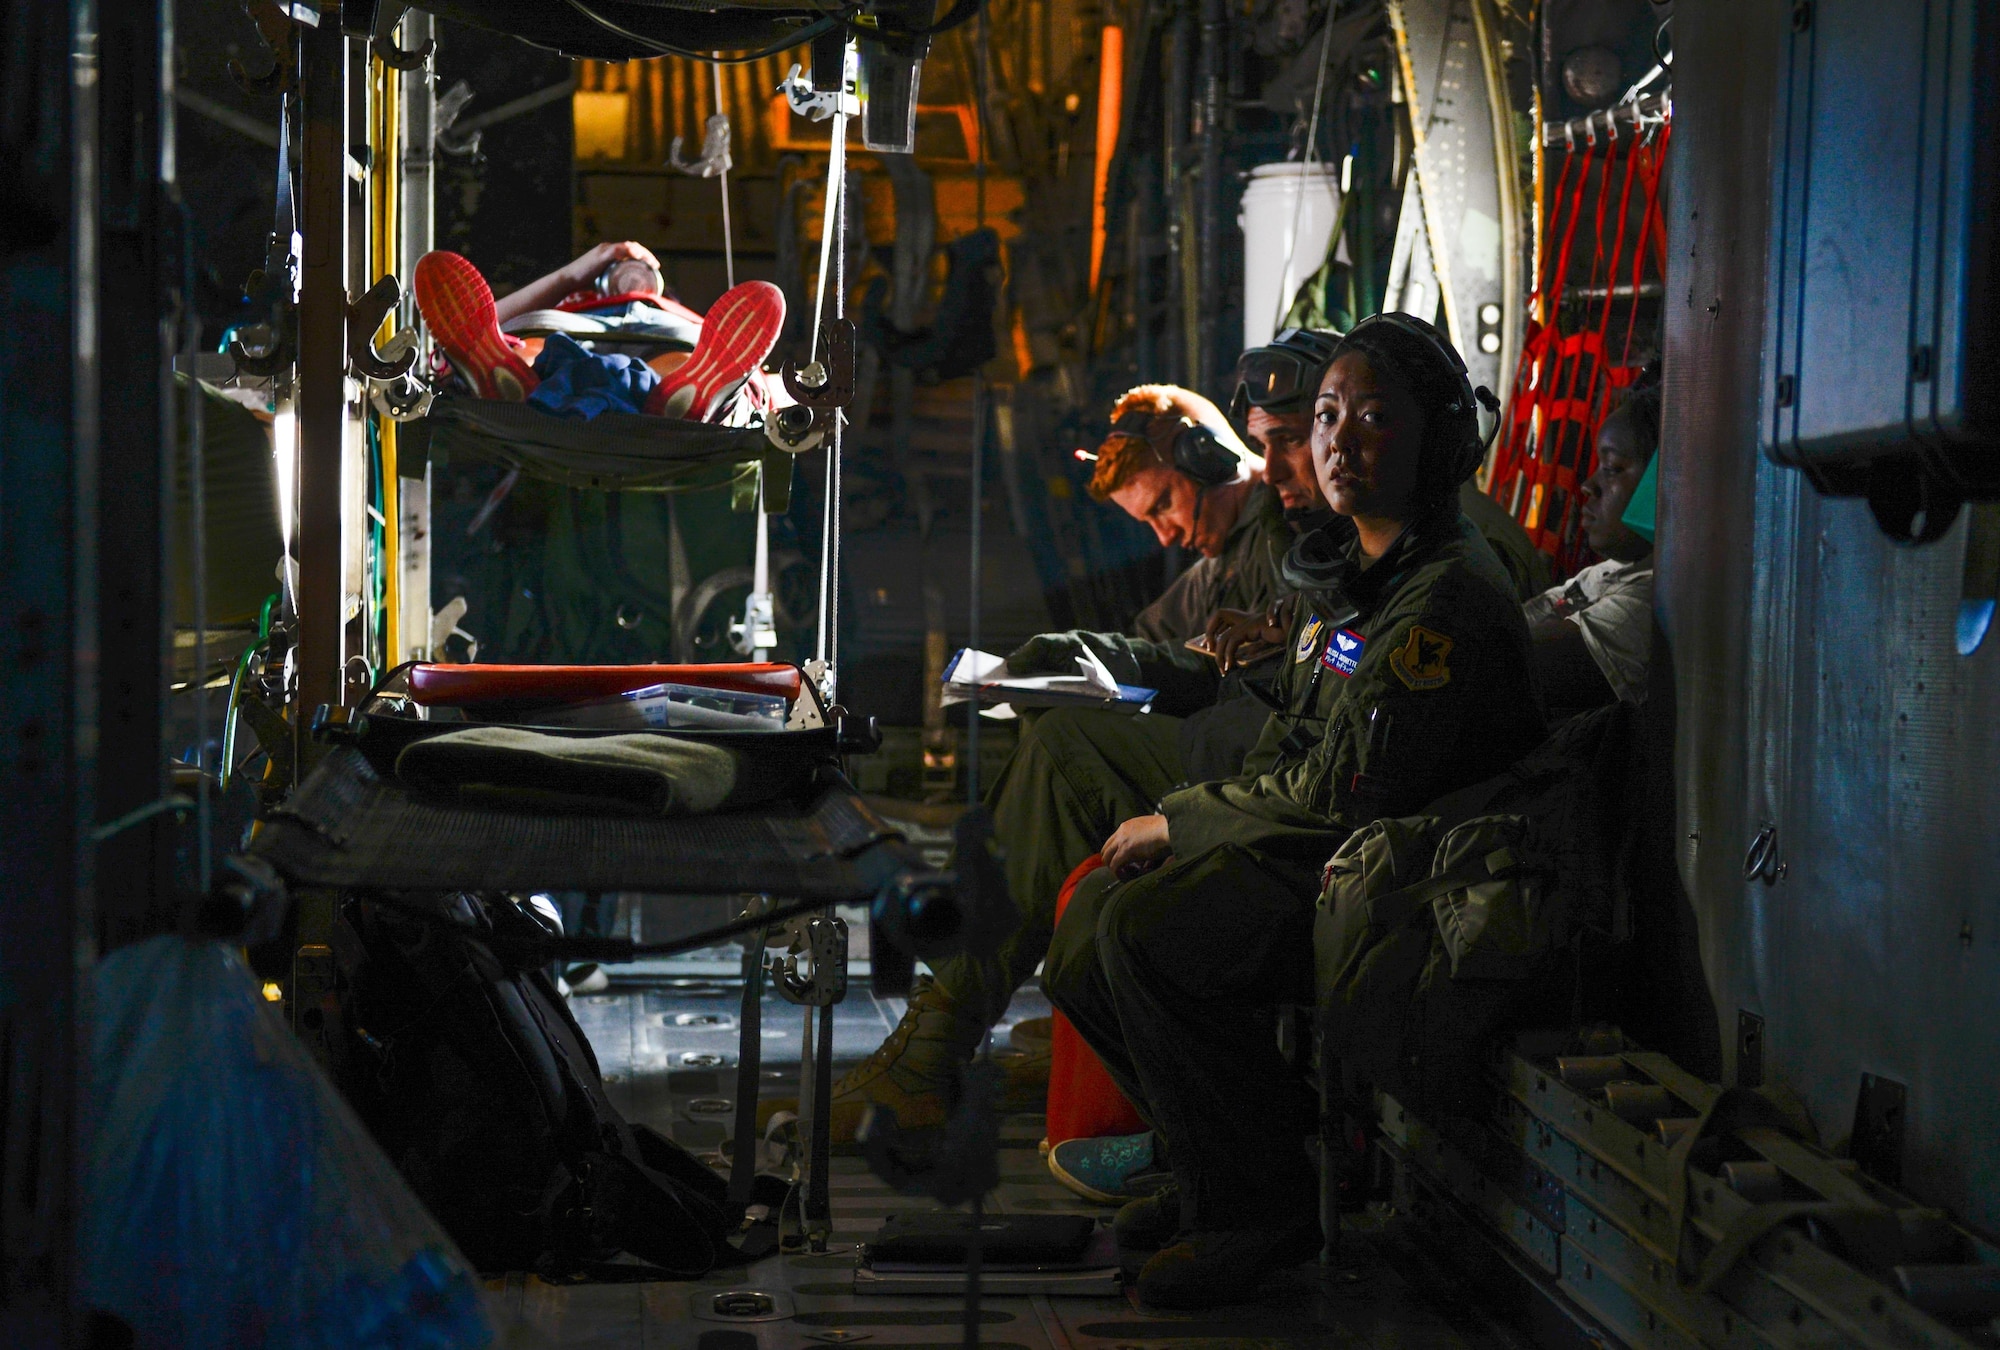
(643, 1035)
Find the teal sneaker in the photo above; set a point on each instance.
(1111, 1170)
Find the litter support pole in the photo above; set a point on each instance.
(322, 367)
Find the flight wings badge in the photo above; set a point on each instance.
(1308, 639)
(1343, 653)
(1420, 661)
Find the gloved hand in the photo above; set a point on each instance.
(1047, 654)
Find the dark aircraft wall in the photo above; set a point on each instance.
(1819, 692)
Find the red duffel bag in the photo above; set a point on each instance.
(1083, 1101)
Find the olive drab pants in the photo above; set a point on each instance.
(1174, 979)
(1077, 774)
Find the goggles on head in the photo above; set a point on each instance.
(1283, 374)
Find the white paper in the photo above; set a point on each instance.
(977, 670)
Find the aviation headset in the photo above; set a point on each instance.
(1196, 451)
(1458, 417)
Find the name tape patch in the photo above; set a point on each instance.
(1343, 652)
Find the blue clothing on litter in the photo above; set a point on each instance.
(580, 383)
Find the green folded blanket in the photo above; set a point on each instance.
(636, 774)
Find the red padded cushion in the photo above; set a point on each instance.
(470, 686)
(1084, 1103)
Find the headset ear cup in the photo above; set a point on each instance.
(1199, 455)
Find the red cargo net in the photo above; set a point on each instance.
(1563, 384)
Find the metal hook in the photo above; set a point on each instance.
(1762, 863)
(382, 42)
(364, 317)
(829, 382)
(270, 289)
(274, 26)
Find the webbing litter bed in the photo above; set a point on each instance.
(614, 451)
(349, 827)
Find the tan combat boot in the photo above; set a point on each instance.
(914, 1073)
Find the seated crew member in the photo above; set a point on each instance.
(1594, 633)
(1527, 566)
(1077, 772)
(1407, 676)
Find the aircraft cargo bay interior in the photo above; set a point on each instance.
(1044, 674)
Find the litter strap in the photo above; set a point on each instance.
(348, 827)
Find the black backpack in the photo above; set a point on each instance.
(483, 1091)
(1438, 931)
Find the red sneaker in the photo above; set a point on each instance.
(737, 333)
(457, 304)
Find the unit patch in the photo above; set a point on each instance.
(1308, 639)
(1420, 661)
(1343, 654)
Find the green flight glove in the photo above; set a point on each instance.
(1047, 654)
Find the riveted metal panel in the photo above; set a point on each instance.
(1820, 695)
(1716, 218)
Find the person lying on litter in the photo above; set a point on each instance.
(735, 336)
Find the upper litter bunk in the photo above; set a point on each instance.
(890, 38)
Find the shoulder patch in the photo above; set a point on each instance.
(1343, 653)
(1420, 661)
(1308, 639)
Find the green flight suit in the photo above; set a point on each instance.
(1526, 564)
(1244, 576)
(1407, 680)
(1080, 772)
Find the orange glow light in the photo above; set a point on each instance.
(1110, 104)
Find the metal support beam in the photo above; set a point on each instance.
(417, 227)
(139, 257)
(1204, 360)
(48, 516)
(322, 372)
(1179, 54)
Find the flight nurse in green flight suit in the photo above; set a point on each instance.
(1407, 677)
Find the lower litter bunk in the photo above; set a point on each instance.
(349, 826)
(356, 826)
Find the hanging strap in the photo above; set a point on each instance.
(832, 261)
(1751, 1117)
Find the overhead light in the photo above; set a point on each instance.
(1489, 313)
(1489, 343)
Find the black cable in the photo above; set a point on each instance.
(375, 689)
(964, 12)
(800, 38)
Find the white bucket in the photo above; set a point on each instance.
(1287, 217)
